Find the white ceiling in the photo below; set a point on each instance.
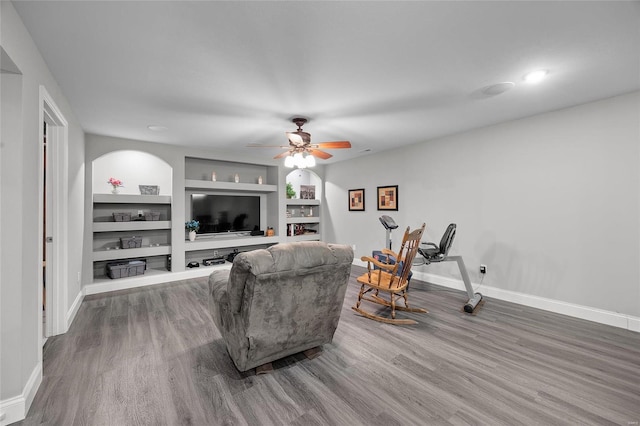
(380, 74)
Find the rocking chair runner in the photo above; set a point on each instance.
(389, 279)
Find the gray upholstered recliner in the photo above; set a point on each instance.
(280, 301)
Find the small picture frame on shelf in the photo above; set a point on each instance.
(307, 192)
(388, 197)
(149, 189)
(356, 200)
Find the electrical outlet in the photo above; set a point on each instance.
(215, 253)
(353, 246)
(483, 269)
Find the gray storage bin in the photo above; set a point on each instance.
(126, 269)
(131, 242)
(122, 217)
(152, 216)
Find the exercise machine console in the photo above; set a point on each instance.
(389, 224)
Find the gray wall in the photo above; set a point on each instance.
(19, 176)
(549, 203)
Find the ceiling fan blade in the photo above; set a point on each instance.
(333, 145)
(282, 154)
(320, 154)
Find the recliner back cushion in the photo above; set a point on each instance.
(279, 258)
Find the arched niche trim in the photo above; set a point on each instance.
(133, 168)
(299, 177)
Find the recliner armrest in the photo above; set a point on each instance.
(218, 284)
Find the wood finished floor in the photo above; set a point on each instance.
(152, 356)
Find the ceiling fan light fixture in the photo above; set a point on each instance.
(289, 162)
(310, 160)
(299, 161)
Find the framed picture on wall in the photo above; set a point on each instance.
(356, 200)
(308, 192)
(388, 197)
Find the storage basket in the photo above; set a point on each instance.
(149, 189)
(126, 269)
(152, 216)
(122, 217)
(131, 242)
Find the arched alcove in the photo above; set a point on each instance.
(133, 168)
(299, 177)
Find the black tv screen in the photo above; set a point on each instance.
(226, 213)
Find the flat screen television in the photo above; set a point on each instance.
(225, 213)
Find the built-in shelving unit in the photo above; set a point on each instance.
(165, 246)
(131, 199)
(229, 186)
(131, 226)
(253, 180)
(303, 220)
(155, 235)
(215, 243)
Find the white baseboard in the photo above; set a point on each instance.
(16, 408)
(577, 311)
(146, 280)
(71, 314)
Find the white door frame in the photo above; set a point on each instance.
(57, 150)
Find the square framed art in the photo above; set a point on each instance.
(356, 200)
(388, 197)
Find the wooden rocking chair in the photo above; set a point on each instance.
(390, 278)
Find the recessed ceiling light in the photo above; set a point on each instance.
(498, 88)
(535, 76)
(157, 128)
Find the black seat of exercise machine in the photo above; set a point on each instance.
(437, 253)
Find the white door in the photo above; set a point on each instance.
(48, 260)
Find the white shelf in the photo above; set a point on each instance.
(114, 254)
(131, 199)
(217, 243)
(309, 219)
(136, 225)
(147, 273)
(304, 237)
(300, 202)
(103, 284)
(228, 186)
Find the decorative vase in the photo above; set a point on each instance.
(236, 178)
(114, 190)
(213, 176)
(192, 235)
(259, 180)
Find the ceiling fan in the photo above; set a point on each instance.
(300, 142)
